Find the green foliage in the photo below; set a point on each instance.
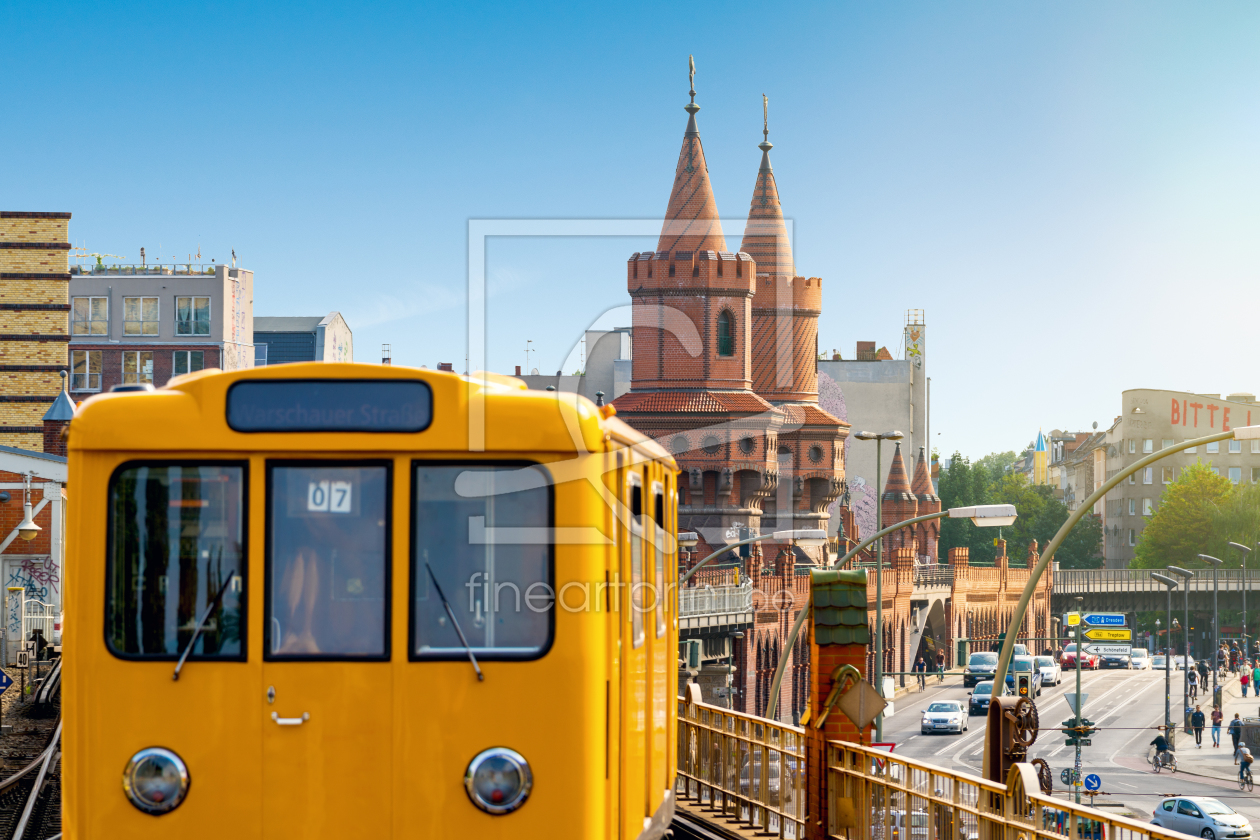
(1199, 513)
(987, 482)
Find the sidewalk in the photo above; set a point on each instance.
(1216, 762)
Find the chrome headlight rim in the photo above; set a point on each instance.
(143, 804)
(523, 771)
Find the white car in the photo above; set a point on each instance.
(1140, 659)
(944, 716)
(1158, 660)
(1051, 674)
(1201, 816)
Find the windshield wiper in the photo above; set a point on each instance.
(451, 613)
(200, 623)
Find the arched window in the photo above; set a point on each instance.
(726, 334)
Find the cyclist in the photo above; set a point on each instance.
(1192, 680)
(1162, 748)
(940, 666)
(920, 670)
(1244, 762)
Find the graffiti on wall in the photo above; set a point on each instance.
(914, 344)
(13, 614)
(39, 578)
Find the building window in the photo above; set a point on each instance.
(1132, 537)
(1166, 444)
(1148, 475)
(1216, 470)
(89, 316)
(1148, 446)
(1235, 446)
(746, 445)
(1133, 478)
(1132, 446)
(1167, 475)
(711, 445)
(1132, 507)
(137, 367)
(1148, 507)
(1214, 447)
(1235, 475)
(1255, 475)
(85, 370)
(260, 355)
(140, 316)
(192, 316)
(188, 361)
(1255, 447)
(726, 335)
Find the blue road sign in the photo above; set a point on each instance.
(5, 682)
(1092, 782)
(1104, 619)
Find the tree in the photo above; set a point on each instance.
(1185, 525)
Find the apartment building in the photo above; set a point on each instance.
(145, 324)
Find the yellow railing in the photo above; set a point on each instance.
(747, 769)
(872, 794)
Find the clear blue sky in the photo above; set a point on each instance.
(1070, 190)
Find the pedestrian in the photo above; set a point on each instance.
(1243, 679)
(1196, 721)
(920, 669)
(1192, 680)
(1216, 726)
(1255, 674)
(1235, 732)
(940, 665)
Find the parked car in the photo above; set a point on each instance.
(980, 666)
(1141, 659)
(1115, 660)
(1051, 673)
(1201, 816)
(944, 716)
(1068, 659)
(1024, 665)
(978, 704)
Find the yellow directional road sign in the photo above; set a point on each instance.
(1108, 634)
(1073, 619)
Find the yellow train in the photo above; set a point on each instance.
(331, 601)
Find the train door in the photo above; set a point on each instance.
(662, 701)
(327, 714)
(634, 663)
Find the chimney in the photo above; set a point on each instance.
(518, 370)
(449, 367)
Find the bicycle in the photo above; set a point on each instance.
(922, 681)
(1162, 760)
(940, 676)
(1244, 779)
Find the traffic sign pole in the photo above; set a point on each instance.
(1076, 778)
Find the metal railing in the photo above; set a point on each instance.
(749, 769)
(1086, 581)
(934, 575)
(715, 600)
(872, 793)
(36, 615)
(148, 268)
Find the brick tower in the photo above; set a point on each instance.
(927, 533)
(34, 321)
(899, 503)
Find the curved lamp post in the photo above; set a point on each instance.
(1216, 615)
(1170, 584)
(1185, 575)
(1008, 647)
(985, 516)
(808, 537)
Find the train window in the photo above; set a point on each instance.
(636, 561)
(327, 561)
(659, 544)
(176, 547)
(482, 534)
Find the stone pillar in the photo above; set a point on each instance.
(838, 636)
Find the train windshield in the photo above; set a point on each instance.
(176, 539)
(483, 534)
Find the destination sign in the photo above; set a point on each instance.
(1108, 634)
(330, 405)
(1071, 619)
(1105, 619)
(1109, 650)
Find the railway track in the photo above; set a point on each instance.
(30, 798)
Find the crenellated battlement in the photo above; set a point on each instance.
(692, 271)
(802, 295)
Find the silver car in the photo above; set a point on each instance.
(1201, 816)
(944, 716)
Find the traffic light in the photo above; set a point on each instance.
(1078, 735)
(1023, 684)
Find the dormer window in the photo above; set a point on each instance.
(726, 333)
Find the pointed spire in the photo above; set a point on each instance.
(922, 485)
(691, 220)
(765, 235)
(898, 484)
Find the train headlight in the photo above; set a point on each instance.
(498, 780)
(156, 780)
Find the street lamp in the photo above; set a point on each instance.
(1185, 575)
(879, 438)
(1216, 615)
(1245, 551)
(1170, 584)
(985, 516)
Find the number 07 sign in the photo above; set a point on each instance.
(329, 496)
